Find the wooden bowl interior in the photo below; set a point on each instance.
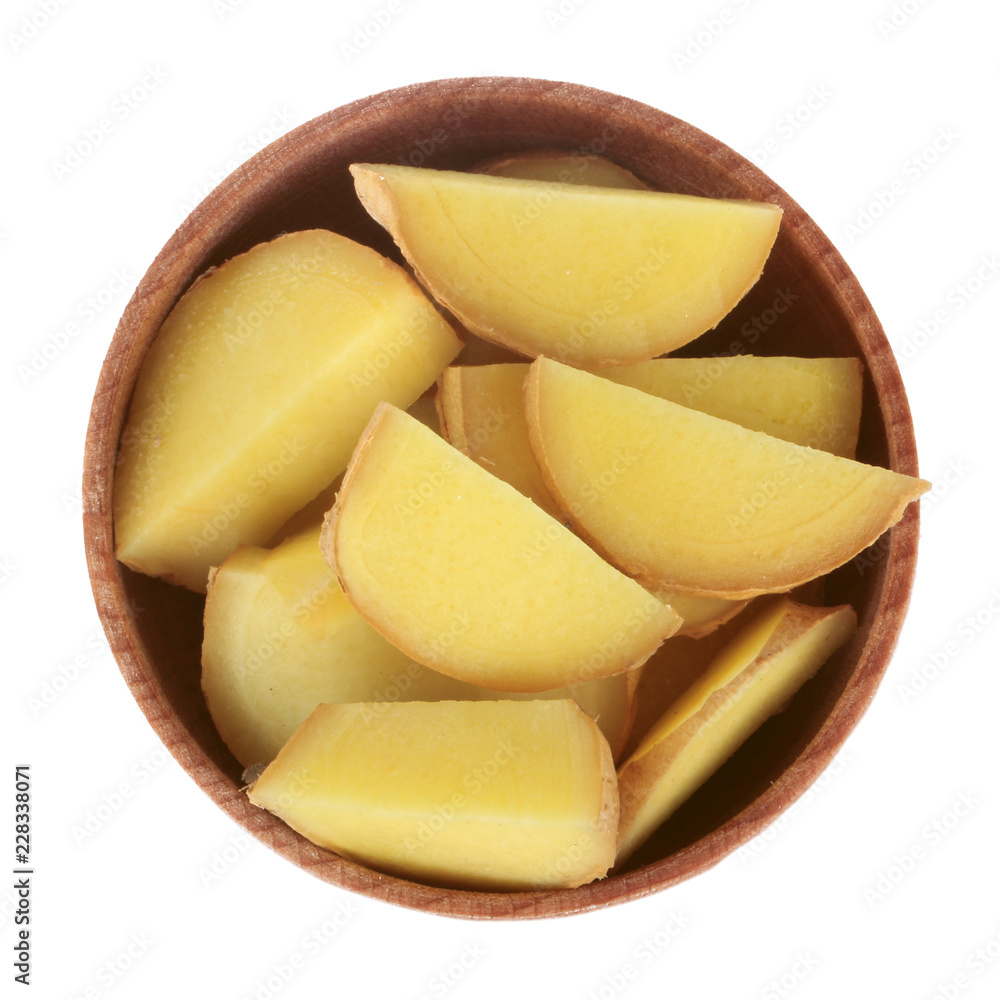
(302, 181)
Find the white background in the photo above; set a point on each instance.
(882, 882)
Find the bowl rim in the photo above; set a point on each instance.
(208, 224)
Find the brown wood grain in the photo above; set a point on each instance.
(302, 181)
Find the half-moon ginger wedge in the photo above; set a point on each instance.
(593, 276)
(472, 579)
(501, 795)
(691, 503)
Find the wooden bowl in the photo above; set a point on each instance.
(806, 303)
